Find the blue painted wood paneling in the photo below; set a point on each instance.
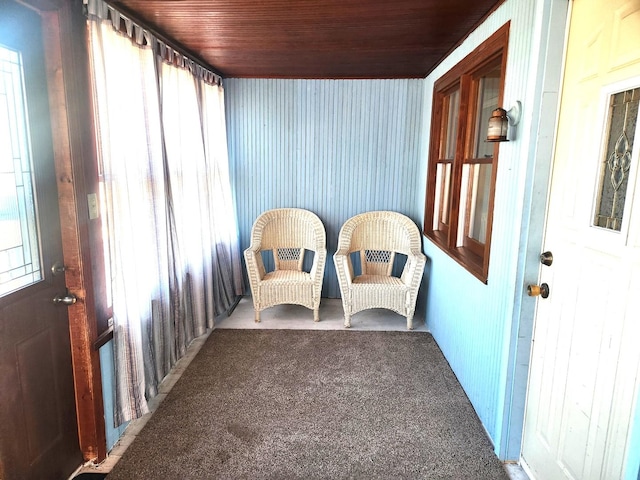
(107, 372)
(633, 461)
(483, 330)
(335, 147)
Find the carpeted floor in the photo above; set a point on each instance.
(291, 404)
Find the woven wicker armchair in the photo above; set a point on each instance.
(287, 232)
(377, 237)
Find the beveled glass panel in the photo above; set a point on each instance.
(19, 243)
(488, 92)
(614, 170)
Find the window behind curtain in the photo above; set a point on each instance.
(169, 225)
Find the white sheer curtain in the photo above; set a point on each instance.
(168, 213)
(224, 227)
(199, 184)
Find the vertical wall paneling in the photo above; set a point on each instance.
(335, 147)
(633, 461)
(107, 369)
(546, 59)
(485, 330)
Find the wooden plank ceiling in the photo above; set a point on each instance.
(314, 38)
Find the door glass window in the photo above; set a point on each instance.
(20, 263)
(614, 170)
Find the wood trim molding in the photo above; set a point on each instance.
(67, 78)
(103, 338)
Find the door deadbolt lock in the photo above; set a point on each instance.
(57, 268)
(541, 290)
(546, 258)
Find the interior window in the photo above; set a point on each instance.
(462, 164)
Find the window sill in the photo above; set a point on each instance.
(464, 256)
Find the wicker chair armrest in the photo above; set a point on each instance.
(319, 260)
(413, 269)
(344, 268)
(255, 265)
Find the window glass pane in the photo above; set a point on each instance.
(450, 124)
(19, 245)
(488, 91)
(443, 185)
(614, 172)
(480, 185)
(450, 113)
(475, 201)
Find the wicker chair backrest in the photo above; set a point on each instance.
(288, 228)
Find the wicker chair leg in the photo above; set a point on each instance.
(410, 322)
(257, 316)
(316, 314)
(347, 321)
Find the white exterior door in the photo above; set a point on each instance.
(585, 360)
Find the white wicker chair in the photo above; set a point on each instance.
(378, 236)
(287, 232)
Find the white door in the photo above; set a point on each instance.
(585, 361)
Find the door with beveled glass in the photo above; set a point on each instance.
(38, 426)
(585, 366)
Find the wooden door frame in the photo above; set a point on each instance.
(66, 58)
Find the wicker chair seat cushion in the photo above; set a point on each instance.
(284, 277)
(379, 280)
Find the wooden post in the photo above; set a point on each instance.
(64, 30)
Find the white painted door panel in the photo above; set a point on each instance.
(586, 353)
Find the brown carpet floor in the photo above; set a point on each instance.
(285, 404)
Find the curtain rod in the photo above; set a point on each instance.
(127, 14)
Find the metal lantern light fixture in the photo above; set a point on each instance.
(500, 120)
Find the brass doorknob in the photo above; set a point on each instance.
(541, 290)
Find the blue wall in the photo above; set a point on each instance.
(107, 371)
(335, 147)
(483, 330)
(633, 461)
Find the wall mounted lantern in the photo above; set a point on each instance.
(500, 120)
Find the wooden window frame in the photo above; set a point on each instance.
(472, 254)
